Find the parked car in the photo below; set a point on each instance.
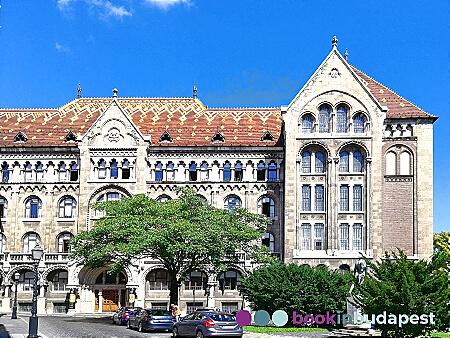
(151, 319)
(207, 323)
(121, 315)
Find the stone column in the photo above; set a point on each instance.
(100, 301)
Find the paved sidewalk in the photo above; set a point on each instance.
(14, 328)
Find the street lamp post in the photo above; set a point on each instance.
(16, 281)
(37, 253)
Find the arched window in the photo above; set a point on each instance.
(196, 280)
(5, 172)
(30, 240)
(26, 281)
(306, 162)
(39, 171)
(193, 172)
(62, 172)
(266, 206)
(67, 207)
(324, 120)
(58, 280)
(272, 171)
(343, 162)
(204, 173)
(320, 162)
(307, 125)
(231, 202)
(114, 169)
(170, 172)
(74, 172)
(238, 173)
(106, 278)
(108, 197)
(2, 243)
(344, 268)
(64, 242)
(357, 162)
(163, 198)
(358, 124)
(126, 173)
(33, 207)
(28, 172)
(227, 172)
(102, 169)
(158, 172)
(341, 122)
(405, 163)
(229, 280)
(261, 172)
(391, 160)
(268, 240)
(158, 280)
(3, 206)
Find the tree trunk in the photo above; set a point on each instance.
(174, 290)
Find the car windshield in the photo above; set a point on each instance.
(223, 318)
(160, 312)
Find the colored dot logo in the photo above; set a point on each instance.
(262, 318)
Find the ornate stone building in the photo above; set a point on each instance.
(346, 168)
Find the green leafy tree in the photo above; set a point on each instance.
(441, 241)
(184, 234)
(291, 288)
(399, 285)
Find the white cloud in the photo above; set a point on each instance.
(115, 11)
(167, 3)
(104, 8)
(62, 48)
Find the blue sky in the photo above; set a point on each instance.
(249, 53)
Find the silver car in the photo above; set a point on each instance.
(207, 324)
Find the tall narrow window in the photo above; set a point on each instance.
(67, 207)
(357, 162)
(357, 198)
(307, 125)
(5, 172)
(3, 207)
(227, 172)
(343, 236)
(2, 243)
(30, 240)
(405, 163)
(344, 198)
(74, 172)
(266, 206)
(261, 172)
(238, 173)
(39, 171)
(306, 162)
(358, 124)
(231, 202)
(269, 241)
(193, 172)
(320, 162)
(126, 173)
(102, 169)
(357, 236)
(64, 242)
(324, 120)
(306, 198)
(319, 198)
(158, 172)
(204, 173)
(343, 162)
(170, 172)
(341, 120)
(391, 159)
(306, 236)
(62, 172)
(28, 172)
(114, 170)
(272, 172)
(33, 207)
(318, 237)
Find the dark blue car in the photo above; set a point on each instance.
(151, 319)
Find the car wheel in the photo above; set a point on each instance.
(175, 332)
(200, 334)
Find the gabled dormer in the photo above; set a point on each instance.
(218, 137)
(20, 137)
(165, 137)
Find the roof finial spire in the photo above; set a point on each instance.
(334, 42)
(79, 91)
(194, 90)
(346, 54)
(115, 92)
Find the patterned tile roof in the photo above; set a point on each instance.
(398, 107)
(187, 120)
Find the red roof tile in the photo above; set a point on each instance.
(398, 107)
(187, 120)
